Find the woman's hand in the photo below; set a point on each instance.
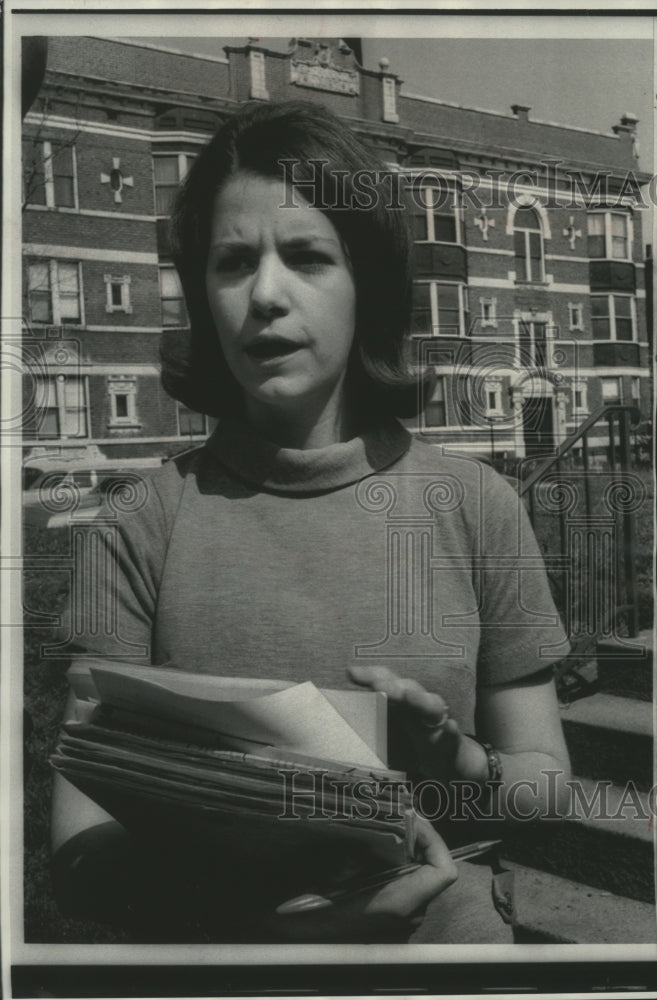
(389, 913)
(442, 751)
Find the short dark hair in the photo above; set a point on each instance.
(306, 144)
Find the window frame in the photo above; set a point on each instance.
(434, 307)
(493, 385)
(611, 315)
(58, 382)
(440, 385)
(184, 161)
(55, 299)
(430, 210)
(491, 304)
(48, 151)
(123, 385)
(191, 434)
(529, 278)
(580, 385)
(575, 316)
(607, 380)
(169, 268)
(124, 283)
(608, 235)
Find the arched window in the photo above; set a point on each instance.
(528, 245)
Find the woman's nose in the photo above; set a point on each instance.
(269, 296)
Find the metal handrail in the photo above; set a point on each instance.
(610, 410)
(625, 553)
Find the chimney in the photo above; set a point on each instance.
(521, 111)
(628, 123)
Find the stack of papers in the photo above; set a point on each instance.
(262, 761)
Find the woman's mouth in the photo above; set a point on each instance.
(271, 348)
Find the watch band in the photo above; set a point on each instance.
(495, 768)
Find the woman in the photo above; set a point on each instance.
(265, 554)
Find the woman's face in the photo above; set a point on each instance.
(282, 295)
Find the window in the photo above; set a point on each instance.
(53, 292)
(493, 388)
(575, 316)
(488, 312)
(191, 423)
(61, 403)
(611, 389)
(49, 174)
(61, 166)
(122, 391)
(463, 400)
(117, 293)
(438, 309)
(434, 412)
(172, 299)
(636, 388)
(580, 402)
(534, 336)
(612, 317)
(169, 170)
(528, 245)
(609, 235)
(434, 215)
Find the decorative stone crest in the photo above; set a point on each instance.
(325, 65)
(116, 180)
(483, 222)
(572, 233)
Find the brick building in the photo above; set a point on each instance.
(529, 300)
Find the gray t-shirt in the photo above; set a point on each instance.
(251, 560)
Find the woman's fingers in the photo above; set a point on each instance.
(387, 913)
(406, 896)
(430, 709)
(425, 716)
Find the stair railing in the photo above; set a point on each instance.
(602, 573)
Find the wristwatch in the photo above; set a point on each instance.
(495, 768)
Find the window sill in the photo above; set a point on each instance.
(438, 243)
(613, 260)
(534, 284)
(612, 340)
(437, 336)
(69, 209)
(128, 425)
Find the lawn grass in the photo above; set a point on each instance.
(45, 691)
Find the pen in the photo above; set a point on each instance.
(319, 901)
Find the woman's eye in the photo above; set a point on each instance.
(309, 260)
(235, 264)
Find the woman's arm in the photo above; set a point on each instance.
(89, 850)
(519, 719)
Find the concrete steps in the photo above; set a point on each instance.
(626, 669)
(606, 841)
(558, 910)
(589, 877)
(610, 738)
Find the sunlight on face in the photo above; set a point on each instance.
(283, 298)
